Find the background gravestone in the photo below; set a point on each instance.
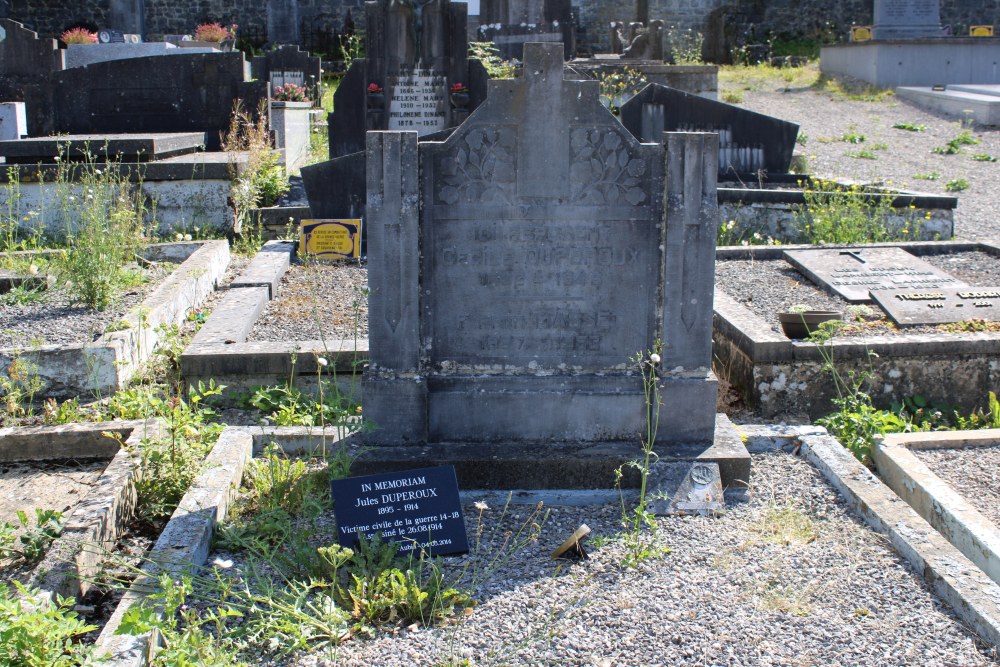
(516, 267)
(27, 65)
(416, 50)
(283, 22)
(748, 141)
(511, 23)
(904, 19)
(190, 92)
(128, 16)
(289, 64)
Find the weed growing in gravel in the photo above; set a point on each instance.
(853, 91)
(983, 157)
(956, 185)
(640, 536)
(929, 176)
(852, 136)
(863, 155)
(910, 127)
(785, 524)
(954, 146)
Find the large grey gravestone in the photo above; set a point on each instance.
(516, 267)
(748, 141)
(416, 50)
(853, 272)
(905, 19)
(510, 24)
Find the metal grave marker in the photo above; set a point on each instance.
(939, 306)
(420, 509)
(330, 239)
(418, 101)
(852, 272)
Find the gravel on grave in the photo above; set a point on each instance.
(56, 321)
(823, 118)
(973, 472)
(730, 593)
(315, 301)
(767, 287)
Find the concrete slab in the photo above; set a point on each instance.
(973, 596)
(778, 376)
(105, 507)
(184, 543)
(980, 103)
(220, 351)
(104, 366)
(542, 466)
(267, 267)
(951, 515)
(124, 147)
(915, 62)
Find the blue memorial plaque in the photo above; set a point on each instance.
(419, 509)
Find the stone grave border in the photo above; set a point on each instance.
(220, 349)
(95, 524)
(972, 595)
(932, 497)
(186, 540)
(778, 376)
(107, 364)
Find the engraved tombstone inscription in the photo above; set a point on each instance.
(939, 306)
(517, 266)
(418, 101)
(851, 273)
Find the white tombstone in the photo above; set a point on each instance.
(13, 121)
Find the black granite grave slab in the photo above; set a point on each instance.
(748, 141)
(939, 306)
(852, 272)
(125, 147)
(183, 93)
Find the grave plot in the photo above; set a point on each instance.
(906, 347)
(729, 574)
(63, 349)
(950, 479)
(277, 318)
(74, 486)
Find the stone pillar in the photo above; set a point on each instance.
(395, 395)
(692, 220)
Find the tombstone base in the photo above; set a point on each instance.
(564, 465)
(531, 409)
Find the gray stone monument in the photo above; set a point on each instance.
(416, 52)
(511, 23)
(516, 268)
(283, 25)
(128, 16)
(906, 19)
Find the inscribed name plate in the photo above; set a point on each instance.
(940, 306)
(853, 272)
(420, 509)
(330, 239)
(418, 101)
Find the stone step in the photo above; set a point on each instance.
(983, 109)
(124, 147)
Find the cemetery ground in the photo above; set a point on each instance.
(789, 575)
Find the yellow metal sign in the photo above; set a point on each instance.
(980, 31)
(330, 239)
(861, 33)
